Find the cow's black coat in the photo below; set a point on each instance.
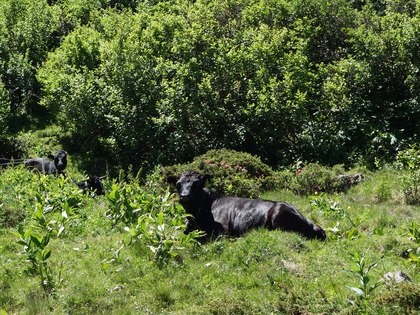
(93, 184)
(56, 166)
(220, 214)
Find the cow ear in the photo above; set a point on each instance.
(206, 178)
(50, 156)
(172, 179)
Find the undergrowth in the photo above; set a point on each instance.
(67, 252)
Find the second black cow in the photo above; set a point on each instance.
(93, 184)
(56, 166)
(218, 214)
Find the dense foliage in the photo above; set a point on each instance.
(231, 172)
(162, 81)
(244, 175)
(134, 84)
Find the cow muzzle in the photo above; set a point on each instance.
(184, 198)
(61, 166)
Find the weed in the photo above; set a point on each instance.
(414, 254)
(379, 230)
(354, 232)
(382, 191)
(159, 237)
(35, 247)
(414, 232)
(123, 207)
(330, 208)
(327, 206)
(364, 290)
(409, 162)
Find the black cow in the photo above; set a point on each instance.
(48, 167)
(218, 214)
(93, 184)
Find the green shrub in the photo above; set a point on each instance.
(233, 173)
(383, 191)
(4, 108)
(327, 206)
(170, 79)
(314, 177)
(408, 162)
(128, 201)
(10, 216)
(150, 217)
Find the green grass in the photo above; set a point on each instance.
(263, 272)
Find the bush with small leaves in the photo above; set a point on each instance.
(233, 173)
(313, 177)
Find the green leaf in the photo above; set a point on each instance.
(39, 211)
(46, 254)
(46, 239)
(358, 291)
(36, 239)
(60, 231)
(20, 229)
(414, 257)
(27, 234)
(173, 254)
(128, 240)
(351, 233)
(160, 218)
(104, 266)
(377, 284)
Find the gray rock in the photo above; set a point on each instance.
(344, 182)
(396, 277)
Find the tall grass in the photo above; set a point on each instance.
(262, 272)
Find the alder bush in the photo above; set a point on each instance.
(164, 81)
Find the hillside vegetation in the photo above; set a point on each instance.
(159, 82)
(275, 99)
(65, 252)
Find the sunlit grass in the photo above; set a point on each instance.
(261, 272)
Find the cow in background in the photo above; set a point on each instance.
(56, 166)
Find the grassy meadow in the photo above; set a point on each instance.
(65, 252)
(133, 85)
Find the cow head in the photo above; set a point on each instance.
(60, 160)
(190, 187)
(320, 233)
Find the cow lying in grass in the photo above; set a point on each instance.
(218, 214)
(93, 184)
(56, 166)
